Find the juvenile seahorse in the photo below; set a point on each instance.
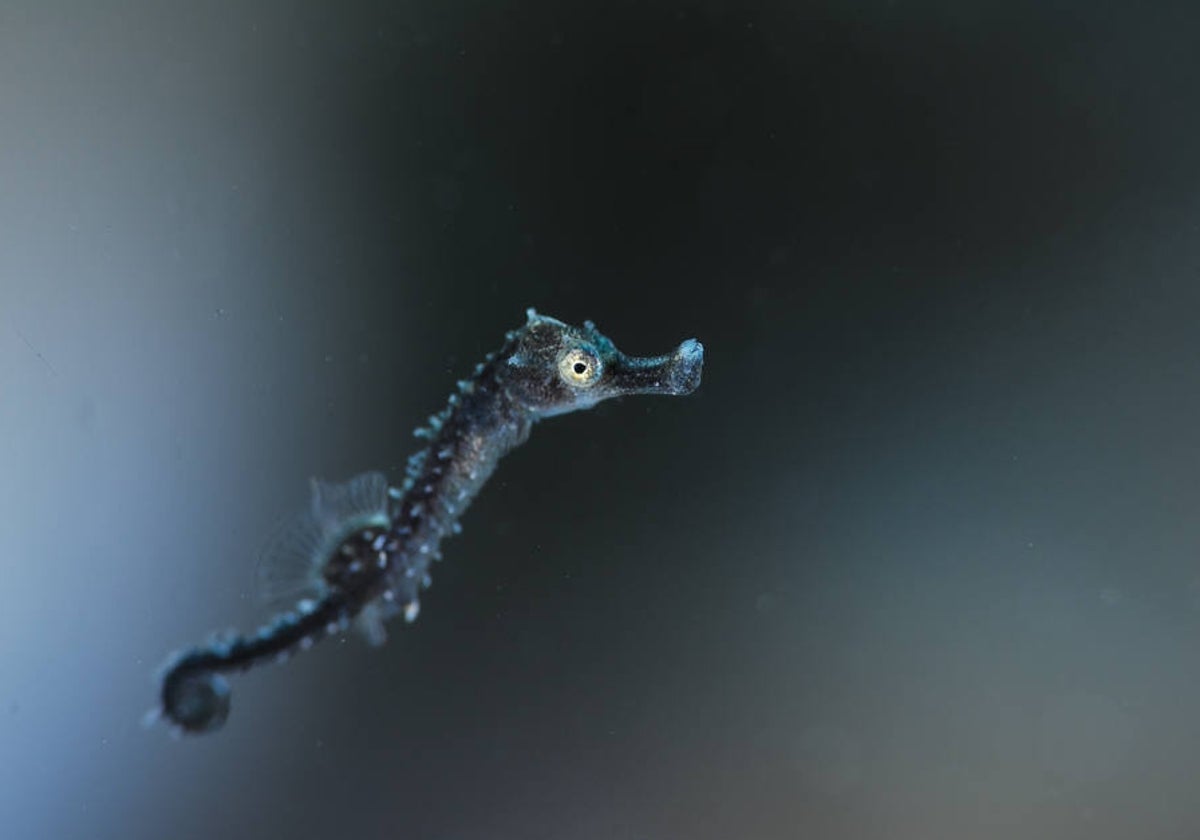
(366, 548)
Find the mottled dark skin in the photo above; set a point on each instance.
(372, 571)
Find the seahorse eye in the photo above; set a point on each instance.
(579, 368)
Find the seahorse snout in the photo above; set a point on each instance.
(685, 367)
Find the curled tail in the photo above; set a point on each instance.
(195, 695)
(339, 552)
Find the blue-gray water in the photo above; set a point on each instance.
(920, 559)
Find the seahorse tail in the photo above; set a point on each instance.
(195, 697)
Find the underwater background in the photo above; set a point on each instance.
(920, 559)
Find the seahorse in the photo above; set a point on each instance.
(365, 549)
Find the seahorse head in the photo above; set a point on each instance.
(552, 368)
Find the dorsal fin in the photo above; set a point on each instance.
(291, 561)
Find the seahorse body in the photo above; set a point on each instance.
(368, 548)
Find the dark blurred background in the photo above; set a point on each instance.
(919, 560)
